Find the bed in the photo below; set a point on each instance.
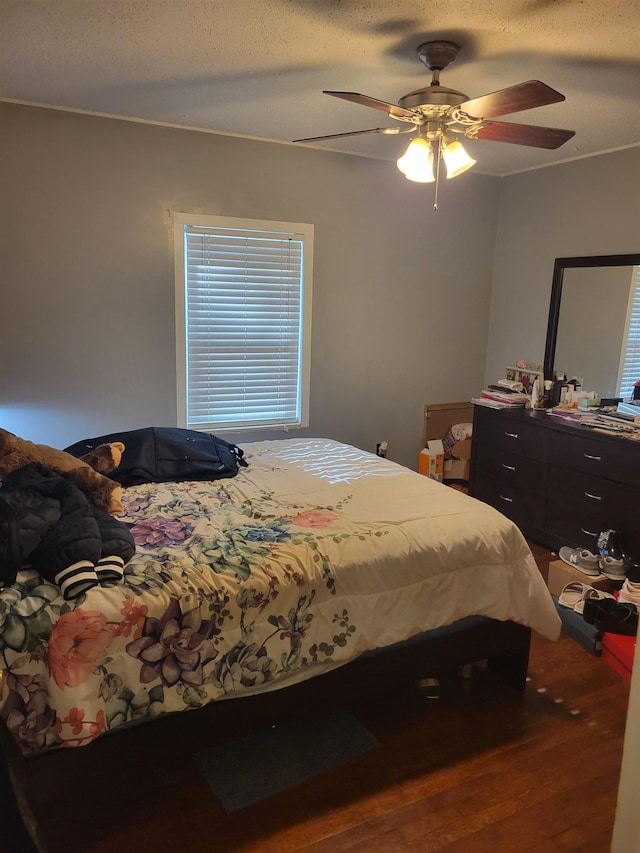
(316, 559)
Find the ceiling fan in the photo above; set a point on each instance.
(439, 115)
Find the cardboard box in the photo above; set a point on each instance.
(431, 460)
(436, 452)
(561, 574)
(440, 417)
(462, 450)
(438, 420)
(456, 469)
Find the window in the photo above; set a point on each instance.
(243, 320)
(630, 361)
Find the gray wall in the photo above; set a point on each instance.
(404, 312)
(587, 207)
(401, 293)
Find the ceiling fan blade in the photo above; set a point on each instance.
(358, 133)
(524, 134)
(392, 110)
(523, 96)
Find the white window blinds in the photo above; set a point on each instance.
(630, 367)
(244, 321)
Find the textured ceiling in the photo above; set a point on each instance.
(258, 67)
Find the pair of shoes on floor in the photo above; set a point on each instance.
(611, 616)
(630, 593)
(575, 594)
(591, 564)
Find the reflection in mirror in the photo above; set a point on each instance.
(591, 326)
(592, 306)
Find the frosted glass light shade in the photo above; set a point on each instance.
(456, 159)
(417, 161)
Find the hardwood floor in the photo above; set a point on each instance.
(482, 768)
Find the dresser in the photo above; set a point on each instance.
(561, 483)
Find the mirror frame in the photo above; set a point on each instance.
(560, 265)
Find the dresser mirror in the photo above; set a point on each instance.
(591, 300)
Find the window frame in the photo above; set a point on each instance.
(630, 353)
(305, 232)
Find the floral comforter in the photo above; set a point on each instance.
(312, 555)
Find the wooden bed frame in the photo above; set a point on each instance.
(505, 646)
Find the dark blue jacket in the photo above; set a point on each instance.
(48, 524)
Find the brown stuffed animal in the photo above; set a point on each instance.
(105, 458)
(86, 473)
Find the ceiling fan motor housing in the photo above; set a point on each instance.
(436, 55)
(432, 96)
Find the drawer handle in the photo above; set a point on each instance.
(594, 458)
(511, 434)
(508, 500)
(509, 467)
(593, 497)
(589, 532)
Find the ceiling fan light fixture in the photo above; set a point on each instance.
(456, 159)
(416, 164)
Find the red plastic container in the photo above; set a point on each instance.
(618, 651)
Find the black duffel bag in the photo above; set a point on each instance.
(163, 454)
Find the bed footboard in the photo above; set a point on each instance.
(504, 645)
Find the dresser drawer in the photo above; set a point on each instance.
(512, 470)
(589, 504)
(575, 531)
(513, 434)
(615, 460)
(526, 509)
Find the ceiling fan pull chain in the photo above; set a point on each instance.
(438, 158)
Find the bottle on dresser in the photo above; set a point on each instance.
(559, 390)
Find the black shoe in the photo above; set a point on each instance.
(632, 573)
(610, 544)
(612, 548)
(631, 568)
(611, 616)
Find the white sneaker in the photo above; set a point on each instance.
(582, 559)
(630, 593)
